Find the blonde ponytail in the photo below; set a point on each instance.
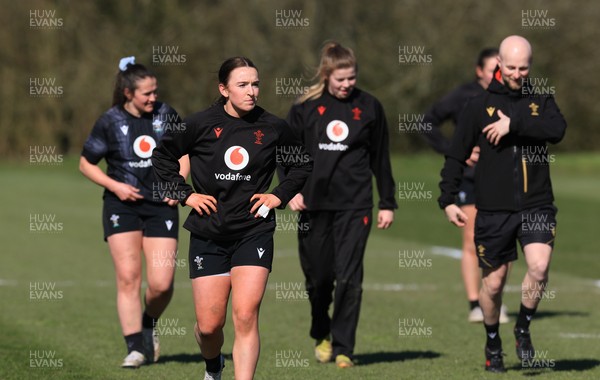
(333, 56)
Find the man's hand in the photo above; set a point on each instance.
(455, 215)
(498, 129)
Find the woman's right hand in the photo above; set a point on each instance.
(456, 216)
(125, 192)
(474, 157)
(202, 203)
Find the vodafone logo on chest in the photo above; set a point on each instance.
(236, 158)
(143, 146)
(337, 131)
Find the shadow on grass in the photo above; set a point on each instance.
(388, 357)
(551, 314)
(558, 366)
(186, 358)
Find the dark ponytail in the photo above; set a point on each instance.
(227, 67)
(128, 78)
(485, 54)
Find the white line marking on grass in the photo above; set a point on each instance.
(597, 283)
(579, 336)
(512, 289)
(447, 251)
(63, 284)
(104, 283)
(371, 287)
(383, 287)
(398, 287)
(71, 283)
(4, 282)
(453, 253)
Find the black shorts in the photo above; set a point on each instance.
(466, 192)
(496, 233)
(217, 257)
(152, 218)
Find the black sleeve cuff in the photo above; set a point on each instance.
(444, 204)
(182, 201)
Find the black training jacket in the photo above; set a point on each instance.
(515, 174)
(349, 142)
(449, 108)
(231, 159)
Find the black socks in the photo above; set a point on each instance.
(524, 318)
(148, 322)
(213, 365)
(134, 342)
(493, 341)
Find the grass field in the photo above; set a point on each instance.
(413, 319)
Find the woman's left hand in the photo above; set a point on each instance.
(268, 200)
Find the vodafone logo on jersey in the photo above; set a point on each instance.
(337, 130)
(236, 157)
(143, 146)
